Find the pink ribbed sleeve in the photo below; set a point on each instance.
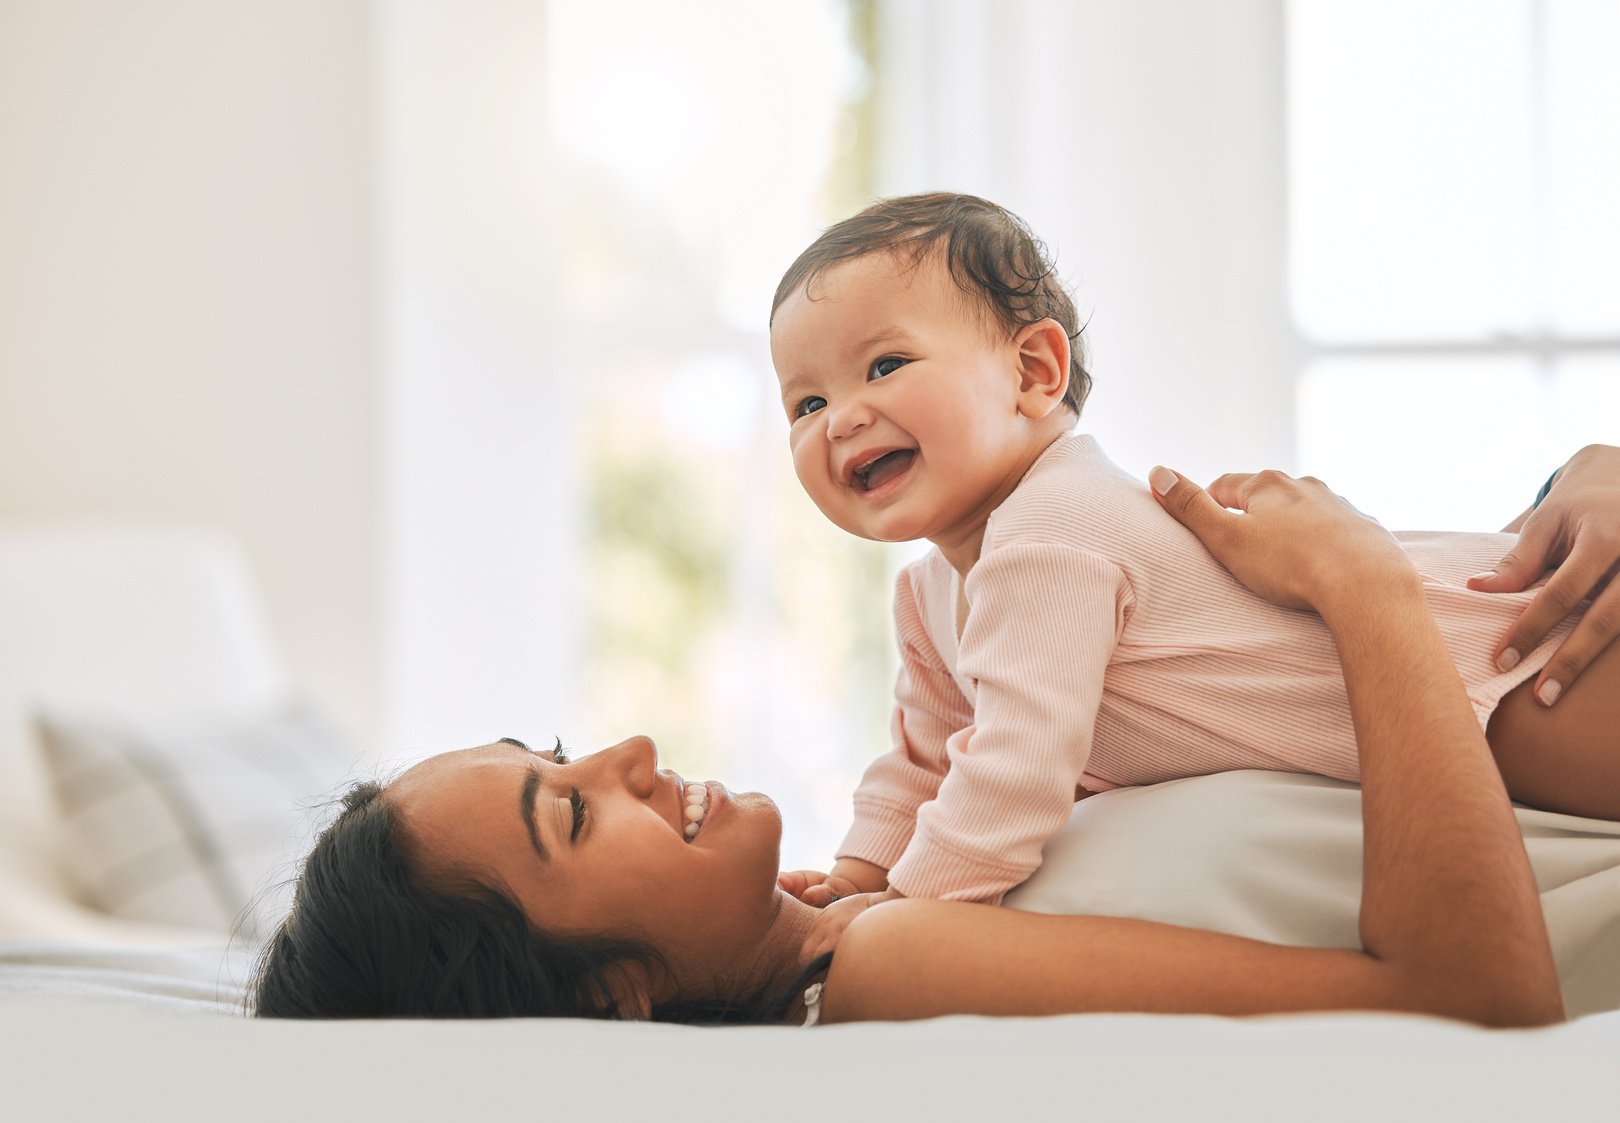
(984, 785)
(1037, 678)
(928, 709)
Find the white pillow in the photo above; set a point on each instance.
(1277, 856)
(191, 821)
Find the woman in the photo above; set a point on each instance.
(499, 882)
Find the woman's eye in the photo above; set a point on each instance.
(579, 805)
(809, 406)
(887, 366)
(559, 754)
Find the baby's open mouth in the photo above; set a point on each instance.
(884, 468)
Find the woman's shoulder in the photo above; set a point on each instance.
(918, 958)
(876, 967)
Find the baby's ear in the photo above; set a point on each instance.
(1043, 367)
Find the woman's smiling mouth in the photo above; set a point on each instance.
(696, 806)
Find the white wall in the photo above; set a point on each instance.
(1143, 140)
(479, 550)
(187, 304)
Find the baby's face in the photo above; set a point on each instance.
(904, 402)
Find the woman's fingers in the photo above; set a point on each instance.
(1536, 551)
(1192, 506)
(1594, 632)
(1575, 532)
(1572, 582)
(1293, 541)
(1233, 490)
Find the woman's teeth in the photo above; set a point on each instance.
(697, 805)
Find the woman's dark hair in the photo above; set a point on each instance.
(366, 939)
(991, 254)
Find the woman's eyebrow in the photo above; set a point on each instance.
(526, 798)
(514, 741)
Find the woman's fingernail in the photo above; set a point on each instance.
(1550, 690)
(1162, 479)
(1508, 659)
(1485, 576)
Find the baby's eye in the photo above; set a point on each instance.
(808, 406)
(887, 366)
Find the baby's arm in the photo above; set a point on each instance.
(928, 709)
(848, 877)
(1042, 624)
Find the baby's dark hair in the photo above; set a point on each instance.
(992, 256)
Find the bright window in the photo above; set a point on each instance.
(1454, 247)
(723, 615)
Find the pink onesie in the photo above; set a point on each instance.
(1102, 645)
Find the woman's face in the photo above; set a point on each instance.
(507, 818)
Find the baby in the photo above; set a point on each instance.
(1065, 636)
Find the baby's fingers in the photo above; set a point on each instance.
(831, 890)
(820, 896)
(824, 933)
(796, 882)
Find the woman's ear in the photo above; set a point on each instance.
(1043, 367)
(629, 991)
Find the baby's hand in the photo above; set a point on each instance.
(816, 888)
(830, 925)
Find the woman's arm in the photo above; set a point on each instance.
(1450, 921)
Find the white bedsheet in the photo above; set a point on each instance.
(73, 1060)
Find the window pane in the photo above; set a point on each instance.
(1431, 444)
(1585, 405)
(723, 615)
(1410, 168)
(1583, 165)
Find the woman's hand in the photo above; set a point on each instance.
(1291, 541)
(1575, 532)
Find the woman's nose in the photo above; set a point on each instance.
(637, 758)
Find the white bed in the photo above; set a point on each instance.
(113, 1047)
(99, 1012)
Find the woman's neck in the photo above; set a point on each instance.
(780, 964)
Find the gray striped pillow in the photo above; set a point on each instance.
(196, 821)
